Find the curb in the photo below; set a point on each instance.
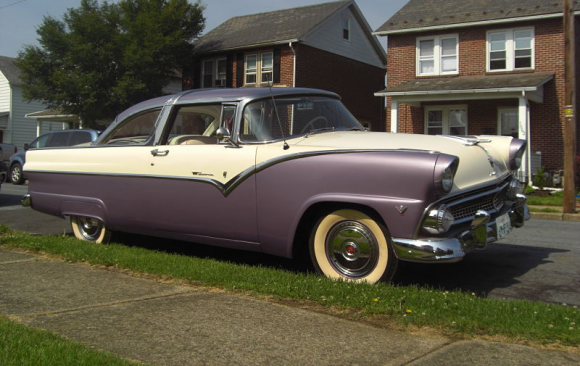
(555, 216)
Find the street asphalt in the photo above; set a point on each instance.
(169, 324)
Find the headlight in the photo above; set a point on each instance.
(444, 173)
(517, 150)
(439, 220)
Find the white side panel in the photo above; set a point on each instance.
(24, 130)
(4, 93)
(329, 37)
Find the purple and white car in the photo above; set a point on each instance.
(284, 171)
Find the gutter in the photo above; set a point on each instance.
(245, 47)
(470, 24)
(294, 66)
(467, 91)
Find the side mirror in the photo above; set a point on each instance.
(26, 147)
(223, 135)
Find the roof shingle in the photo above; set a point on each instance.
(430, 13)
(10, 71)
(267, 28)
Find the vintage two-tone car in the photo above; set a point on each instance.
(284, 171)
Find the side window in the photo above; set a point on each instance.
(58, 139)
(39, 142)
(194, 125)
(135, 130)
(79, 137)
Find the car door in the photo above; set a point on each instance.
(208, 186)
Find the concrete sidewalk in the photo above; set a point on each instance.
(168, 324)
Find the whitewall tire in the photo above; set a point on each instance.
(350, 245)
(90, 229)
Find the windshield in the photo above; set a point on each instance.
(294, 116)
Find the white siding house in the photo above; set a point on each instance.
(15, 128)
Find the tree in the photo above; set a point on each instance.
(104, 57)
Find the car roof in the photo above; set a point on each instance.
(220, 95)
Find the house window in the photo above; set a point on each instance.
(437, 55)
(214, 73)
(267, 67)
(207, 74)
(251, 69)
(510, 49)
(346, 28)
(259, 67)
(446, 120)
(508, 122)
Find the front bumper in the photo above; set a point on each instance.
(481, 232)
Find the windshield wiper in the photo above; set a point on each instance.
(316, 130)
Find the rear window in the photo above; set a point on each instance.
(58, 139)
(80, 137)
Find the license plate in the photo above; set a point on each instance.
(503, 225)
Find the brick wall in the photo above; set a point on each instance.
(546, 119)
(354, 81)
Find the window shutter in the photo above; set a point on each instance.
(230, 71)
(277, 61)
(197, 74)
(240, 70)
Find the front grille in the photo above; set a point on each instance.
(465, 207)
(468, 209)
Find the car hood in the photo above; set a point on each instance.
(483, 159)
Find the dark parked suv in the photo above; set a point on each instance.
(49, 139)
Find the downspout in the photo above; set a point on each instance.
(294, 66)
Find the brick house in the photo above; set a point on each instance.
(489, 67)
(328, 46)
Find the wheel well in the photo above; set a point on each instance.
(311, 216)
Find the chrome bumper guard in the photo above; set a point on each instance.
(25, 200)
(482, 231)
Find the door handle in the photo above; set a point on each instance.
(157, 152)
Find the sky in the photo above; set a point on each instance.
(19, 19)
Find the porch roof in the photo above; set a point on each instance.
(53, 115)
(470, 86)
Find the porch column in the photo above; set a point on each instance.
(525, 172)
(394, 115)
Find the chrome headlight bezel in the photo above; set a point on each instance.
(517, 150)
(439, 220)
(444, 174)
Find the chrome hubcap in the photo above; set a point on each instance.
(351, 248)
(90, 228)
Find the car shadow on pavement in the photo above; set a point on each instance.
(499, 266)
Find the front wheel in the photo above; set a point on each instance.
(16, 175)
(350, 245)
(90, 229)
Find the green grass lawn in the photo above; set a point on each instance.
(451, 313)
(24, 346)
(556, 199)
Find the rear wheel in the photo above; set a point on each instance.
(349, 244)
(90, 229)
(16, 175)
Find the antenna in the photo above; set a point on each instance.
(270, 82)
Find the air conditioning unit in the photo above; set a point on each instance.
(220, 82)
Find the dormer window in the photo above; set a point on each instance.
(437, 55)
(509, 50)
(346, 28)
